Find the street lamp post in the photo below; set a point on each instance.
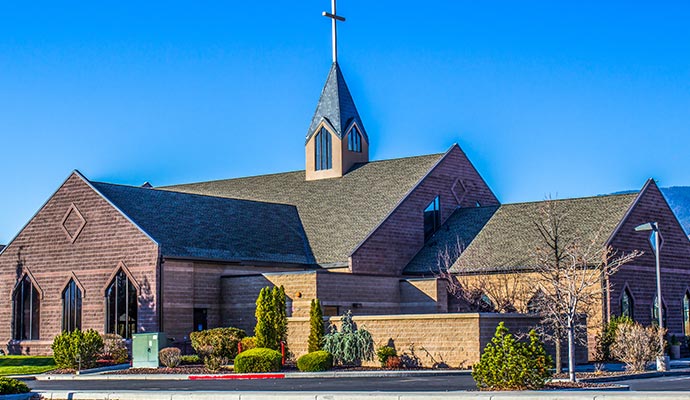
(654, 227)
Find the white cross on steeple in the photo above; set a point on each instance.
(335, 17)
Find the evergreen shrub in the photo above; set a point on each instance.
(271, 318)
(607, 337)
(217, 346)
(258, 360)
(383, 353)
(12, 386)
(69, 347)
(315, 361)
(350, 346)
(190, 360)
(170, 357)
(248, 343)
(509, 364)
(316, 328)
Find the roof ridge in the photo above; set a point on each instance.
(597, 196)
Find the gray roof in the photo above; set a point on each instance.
(205, 227)
(338, 213)
(508, 237)
(336, 106)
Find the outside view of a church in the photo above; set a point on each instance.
(469, 203)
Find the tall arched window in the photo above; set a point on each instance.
(71, 307)
(354, 140)
(655, 313)
(627, 305)
(27, 309)
(121, 306)
(686, 314)
(323, 154)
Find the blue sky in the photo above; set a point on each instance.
(563, 98)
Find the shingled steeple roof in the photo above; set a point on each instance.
(336, 106)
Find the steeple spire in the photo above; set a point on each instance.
(335, 18)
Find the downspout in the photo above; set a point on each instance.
(159, 290)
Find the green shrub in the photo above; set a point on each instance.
(114, 349)
(219, 345)
(316, 329)
(383, 352)
(315, 361)
(350, 345)
(258, 360)
(69, 347)
(271, 318)
(248, 343)
(607, 337)
(13, 386)
(509, 364)
(170, 357)
(190, 360)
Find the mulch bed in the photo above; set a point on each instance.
(594, 375)
(63, 371)
(575, 385)
(183, 370)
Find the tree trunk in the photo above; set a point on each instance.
(571, 352)
(559, 360)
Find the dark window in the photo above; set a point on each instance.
(200, 319)
(655, 313)
(331, 311)
(324, 158)
(354, 141)
(121, 306)
(432, 217)
(71, 307)
(686, 314)
(627, 305)
(27, 309)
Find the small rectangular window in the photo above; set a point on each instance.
(432, 217)
(200, 319)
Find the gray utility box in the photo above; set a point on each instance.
(145, 348)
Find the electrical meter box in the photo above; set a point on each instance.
(145, 348)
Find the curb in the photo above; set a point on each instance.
(644, 375)
(235, 376)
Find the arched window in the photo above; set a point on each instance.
(71, 307)
(354, 140)
(686, 314)
(655, 313)
(27, 309)
(323, 154)
(121, 306)
(627, 305)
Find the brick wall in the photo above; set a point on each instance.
(50, 255)
(393, 244)
(456, 339)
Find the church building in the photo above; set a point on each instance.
(358, 234)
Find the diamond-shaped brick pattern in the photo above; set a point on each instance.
(459, 191)
(73, 223)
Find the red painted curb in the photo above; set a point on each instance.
(236, 376)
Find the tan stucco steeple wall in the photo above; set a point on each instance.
(343, 159)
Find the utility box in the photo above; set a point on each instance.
(145, 348)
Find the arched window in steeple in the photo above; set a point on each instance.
(323, 153)
(627, 305)
(354, 140)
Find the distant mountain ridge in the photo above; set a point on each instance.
(678, 197)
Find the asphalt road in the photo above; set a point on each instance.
(435, 383)
(385, 384)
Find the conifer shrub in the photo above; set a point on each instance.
(351, 345)
(258, 360)
(607, 337)
(383, 353)
(509, 364)
(12, 386)
(271, 318)
(315, 361)
(170, 357)
(217, 346)
(248, 343)
(316, 328)
(114, 349)
(71, 347)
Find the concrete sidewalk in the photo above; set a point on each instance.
(543, 395)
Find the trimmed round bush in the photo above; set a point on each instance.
(258, 360)
(12, 386)
(170, 356)
(190, 360)
(315, 361)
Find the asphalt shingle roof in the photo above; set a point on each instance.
(336, 213)
(508, 237)
(336, 106)
(205, 227)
